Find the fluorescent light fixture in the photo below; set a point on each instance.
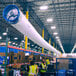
(28, 43)
(15, 38)
(55, 33)
(43, 7)
(16, 44)
(38, 47)
(0, 37)
(22, 40)
(32, 45)
(73, 48)
(4, 33)
(9, 42)
(57, 37)
(53, 27)
(13, 43)
(35, 46)
(19, 45)
(49, 20)
(61, 46)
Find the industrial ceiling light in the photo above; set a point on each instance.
(49, 20)
(14, 43)
(15, 38)
(43, 7)
(0, 37)
(22, 40)
(4, 33)
(53, 27)
(28, 43)
(55, 33)
(35, 46)
(9, 42)
(73, 48)
(32, 45)
(57, 37)
(38, 47)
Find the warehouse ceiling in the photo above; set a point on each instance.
(62, 13)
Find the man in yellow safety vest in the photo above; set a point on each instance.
(33, 69)
(43, 68)
(47, 61)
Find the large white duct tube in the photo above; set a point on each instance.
(14, 16)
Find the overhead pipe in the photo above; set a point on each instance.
(17, 19)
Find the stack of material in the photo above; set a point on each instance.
(2, 54)
(30, 58)
(15, 58)
(37, 58)
(26, 59)
(21, 57)
(11, 55)
(16, 66)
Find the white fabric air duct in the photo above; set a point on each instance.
(25, 27)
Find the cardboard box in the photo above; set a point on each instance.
(2, 54)
(21, 57)
(18, 66)
(26, 59)
(15, 58)
(37, 58)
(14, 66)
(30, 58)
(11, 55)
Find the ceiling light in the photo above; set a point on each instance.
(38, 47)
(13, 43)
(28, 43)
(9, 42)
(4, 33)
(0, 37)
(43, 7)
(19, 45)
(16, 44)
(35, 46)
(55, 33)
(53, 27)
(32, 45)
(50, 20)
(15, 38)
(57, 37)
(58, 40)
(22, 40)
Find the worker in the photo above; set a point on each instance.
(11, 72)
(0, 73)
(47, 61)
(33, 69)
(43, 68)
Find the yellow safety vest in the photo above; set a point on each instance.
(33, 70)
(47, 62)
(43, 68)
